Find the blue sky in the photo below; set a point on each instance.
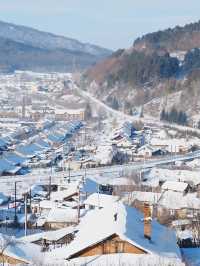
(110, 23)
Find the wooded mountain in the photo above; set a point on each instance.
(160, 71)
(24, 48)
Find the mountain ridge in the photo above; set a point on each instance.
(70, 52)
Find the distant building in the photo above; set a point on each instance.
(70, 114)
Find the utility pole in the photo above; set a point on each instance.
(85, 136)
(25, 224)
(98, 198)
(49, 187)
(85, 175)
(78, 209)
(69, 172)
(15, 218)
(30, 199)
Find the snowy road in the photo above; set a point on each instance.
(7, 182)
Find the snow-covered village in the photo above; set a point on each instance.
(99, 133)
(91, 185)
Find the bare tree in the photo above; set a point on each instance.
(5, 242)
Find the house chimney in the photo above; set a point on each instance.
(147, 221)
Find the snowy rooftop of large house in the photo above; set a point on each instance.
(101, 200)
(97, 225)
(175, 186)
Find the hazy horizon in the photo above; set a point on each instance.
(110, 24)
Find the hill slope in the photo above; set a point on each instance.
(42, 51)
(160, 71)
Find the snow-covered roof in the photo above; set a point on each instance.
(97, 225)
(47, 204)
(7, 167)
(105, 154)
(176, 200)
(37, 189)
(29, 150)
(172, 145)
(101, 200)
(20, 250)
(143, 196)
(55, 137)
(62, 215)
(175, 186)
(42, 143)
(120, 181)
(160, 174)
(60, 195)
(49, 235)
(14, 158)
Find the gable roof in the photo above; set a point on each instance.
(50, 235)
(97, 225)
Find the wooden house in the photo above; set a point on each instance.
(119, 229)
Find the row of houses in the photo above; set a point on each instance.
(36, 149)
